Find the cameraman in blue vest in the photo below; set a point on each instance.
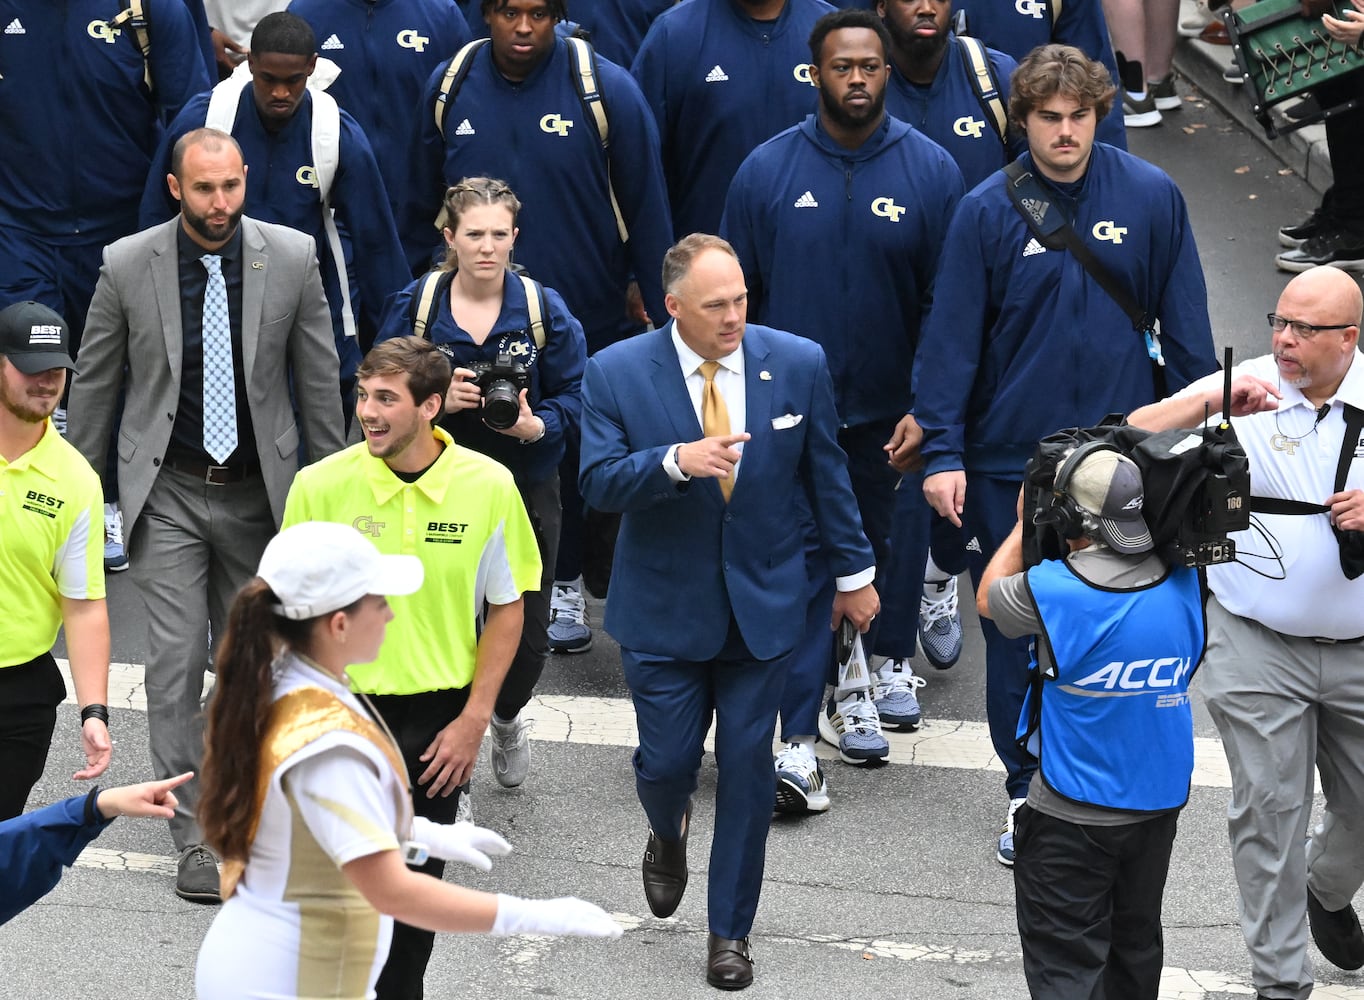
(1117, 635)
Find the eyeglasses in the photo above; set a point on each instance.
(1304, 331)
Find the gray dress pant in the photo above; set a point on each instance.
(193, 547)
(1282, 704)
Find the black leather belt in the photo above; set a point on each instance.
(214, 475)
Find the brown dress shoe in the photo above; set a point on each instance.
(665, 870)
(729, 963)
(1215, 34)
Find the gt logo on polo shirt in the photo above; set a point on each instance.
(555, 125)
(43, 503)
(1108, 232)
(366, 525)
(446, 532)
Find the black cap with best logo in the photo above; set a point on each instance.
(35, 338)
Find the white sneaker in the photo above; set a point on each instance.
(940, 623)
(568, 630)
(115, 554)
(1004, 852)
(464, 812)
(894, 697)
(801, 787)
(1193, 25)
(854, 726)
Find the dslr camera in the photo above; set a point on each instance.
(501, 382)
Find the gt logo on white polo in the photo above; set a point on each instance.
(412, 39)
(307, 176)
(802, 73)
(556, 125)
(1108, 232)
(967, 126)
(1031, 8)
(102, 31)
(887, 209)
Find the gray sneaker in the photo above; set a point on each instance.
(1140, 114)
(196, 875)
(1163, 90)
(510, 751)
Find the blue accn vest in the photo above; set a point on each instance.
(1115, 728)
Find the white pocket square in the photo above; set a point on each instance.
(786, 420)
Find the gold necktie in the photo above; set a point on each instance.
(715, 416)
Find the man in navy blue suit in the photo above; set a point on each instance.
(717, 441)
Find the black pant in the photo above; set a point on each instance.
(542, 504)
(29, 695)
(1088, 901)
(415, 719)
(1344, 201)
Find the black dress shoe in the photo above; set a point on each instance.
(665, 870)
(729, 963)
(1337, 933)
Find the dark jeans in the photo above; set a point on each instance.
(415, 719)
(29, 695)
(1088, 901)
(1344, 201)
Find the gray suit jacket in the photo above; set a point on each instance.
(134, 320)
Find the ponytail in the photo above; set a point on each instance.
(237, 716)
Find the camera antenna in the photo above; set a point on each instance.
(1226, 390)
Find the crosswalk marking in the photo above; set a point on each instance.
(950, 743)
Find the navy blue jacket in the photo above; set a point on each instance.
(78, 123)
(1021, 340)
(556, 374)
(949, 112)
(681, 545)
(614, 27)
(1019, 26)
(720, 83)
(386, 50)
(840, 246)
(35, 846)
(277, 190)
(569, 237)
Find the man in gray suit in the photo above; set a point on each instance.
(204, 322)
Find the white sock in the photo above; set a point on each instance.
(1137, 95)
(933, 573)
(571, 584)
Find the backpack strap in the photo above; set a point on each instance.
(426, 302)
(326, 150)
(453, 79)
(535, 308)
(1055, 6)
(223, 100)
(1049, 226)
(985, 84)
(589, 93)
(134, 18)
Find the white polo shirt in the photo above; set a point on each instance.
(1294, 457)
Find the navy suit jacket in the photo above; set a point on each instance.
(685, 560)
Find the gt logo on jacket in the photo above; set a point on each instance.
(556, 125)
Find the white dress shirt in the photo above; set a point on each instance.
(729, 382)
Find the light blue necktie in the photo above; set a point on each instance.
(220, 394)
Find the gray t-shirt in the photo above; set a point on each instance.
(1014, 613)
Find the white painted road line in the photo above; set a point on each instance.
(611, 722)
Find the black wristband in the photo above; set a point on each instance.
(95, 710)
(92, 813)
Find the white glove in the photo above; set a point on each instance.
(462, 842)
(565, 915)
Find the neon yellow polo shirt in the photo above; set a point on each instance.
(463, 518)
(51, 543)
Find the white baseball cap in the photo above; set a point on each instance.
(318, 567)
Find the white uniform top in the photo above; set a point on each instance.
(296, 927)
(237, 18)
(1293, 460)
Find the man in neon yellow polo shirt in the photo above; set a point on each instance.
(413, 491)
(51, 560)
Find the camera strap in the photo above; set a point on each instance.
(1055, 233)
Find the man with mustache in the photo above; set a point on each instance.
(215, 326)
(853, 179)
(1022, 340)
(1281, 673)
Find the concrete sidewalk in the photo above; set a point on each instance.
(1201, 65)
